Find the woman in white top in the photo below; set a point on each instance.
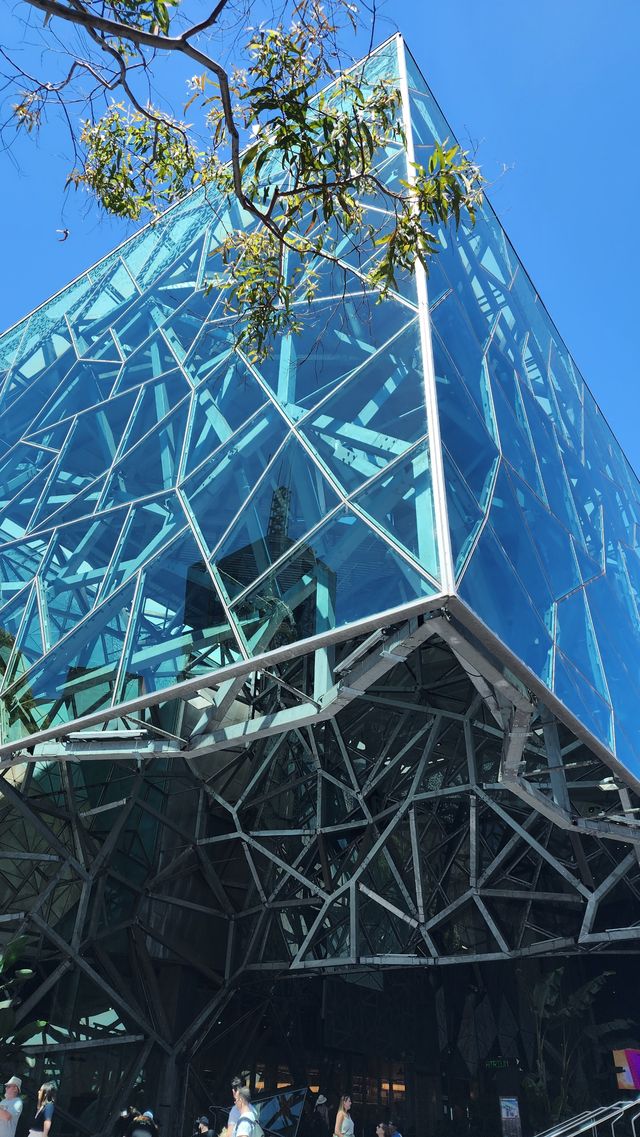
(344, 1125)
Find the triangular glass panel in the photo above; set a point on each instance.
(19, 563)
(152, 360)
(228, 397)
(15, 514)
(291, 499)
(212, 346)
(490, 585)
(78, 674)
(82, 504)
(576, 636)
(373, 418)
(181, 628)
(88, 453)
(337, 337)
(76, 562)
(29, 646)
(330, 580)
(464, 513)
(463, 429)
(215, 493)
(11, 617)
(152, 466)
(114, 290)
(27, 395)
(464, 351)
(86, 384)
(149, 527)
(515, 444)
(553, 543)
(581, 699)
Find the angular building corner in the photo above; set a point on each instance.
(317, 674)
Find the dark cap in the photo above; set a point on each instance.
(202, 1121)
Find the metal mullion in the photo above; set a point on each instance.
(126, 639)
(137, 402)
(249, 499)
(396, 548)
(89, 615)
(226, 442)
(438, 480)
(292, 551)
(270, 658)
(351, 376)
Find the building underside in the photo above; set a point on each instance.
(176, 886)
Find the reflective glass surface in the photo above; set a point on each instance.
(166, 506)
(543, 505)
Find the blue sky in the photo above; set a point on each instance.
(548, 92)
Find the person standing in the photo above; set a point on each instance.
(320, 1119)
(10, 1107)
(203, 1129)
(45, 1109)
(234, 1112)
(344, 1122)
(245, 1126)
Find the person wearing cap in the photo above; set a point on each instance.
(10, 1107)
(203, 1127)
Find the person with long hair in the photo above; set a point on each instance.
(344, 1123)
(45, 1109)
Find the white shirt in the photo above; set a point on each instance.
(13, 1106)
(244, 1127)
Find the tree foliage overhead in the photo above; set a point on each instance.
(275, 120)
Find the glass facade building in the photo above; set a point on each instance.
(324, 664)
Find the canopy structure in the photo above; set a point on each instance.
(316, 666)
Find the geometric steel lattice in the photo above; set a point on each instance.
(313, 667)
(434, 817)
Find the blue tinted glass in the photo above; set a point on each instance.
(576, 637)
(227, 398)
(337, 338)
(401, 501)
(152, 465)
(216, 492)
(291, 499)
(375, 416)
(462, 429)
(343, 571)
(491, 587)
(76, 673)
(465, 515)
(464, 351)
(181, 628)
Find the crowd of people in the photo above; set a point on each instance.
(12, 1105)
(240, 1122)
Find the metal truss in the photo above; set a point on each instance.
(393, 801)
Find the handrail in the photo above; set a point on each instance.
(592, 1119)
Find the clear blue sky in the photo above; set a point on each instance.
(548, 91)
